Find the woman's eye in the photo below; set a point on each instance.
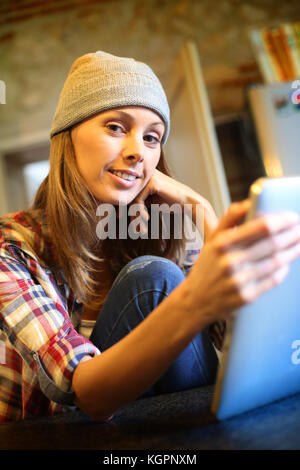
(114, 128)
(151, 139)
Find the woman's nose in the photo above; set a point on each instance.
(133, 148)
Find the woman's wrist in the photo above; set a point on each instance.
(195, 315)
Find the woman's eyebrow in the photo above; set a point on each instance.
(159, 123)
(128, 116)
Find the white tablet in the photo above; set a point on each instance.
(260, 362)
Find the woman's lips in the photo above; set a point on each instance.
(122, 181)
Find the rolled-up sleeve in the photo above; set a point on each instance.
(56, 362)
(34, 317)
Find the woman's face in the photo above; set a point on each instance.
(117, 152)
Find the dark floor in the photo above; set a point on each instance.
(175, 421)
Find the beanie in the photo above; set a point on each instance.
(100, 81)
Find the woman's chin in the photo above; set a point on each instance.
(124, 201)
(114, 199)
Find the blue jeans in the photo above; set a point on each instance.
(139, 287)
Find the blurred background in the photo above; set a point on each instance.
(227, 107)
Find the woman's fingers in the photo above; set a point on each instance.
(261, 259)
(255, 230)
(234, 215)
(289, 238)
(266, 248)
(251, 291)
(255, 272)
(237, 265)
(249, 280)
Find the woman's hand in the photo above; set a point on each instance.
(165, 189)
(240, 263)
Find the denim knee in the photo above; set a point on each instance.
(137, 290)
(147, 270)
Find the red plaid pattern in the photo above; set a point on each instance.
(42, 347)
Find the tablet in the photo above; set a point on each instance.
(260, 361)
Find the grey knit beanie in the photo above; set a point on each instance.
(100, 81)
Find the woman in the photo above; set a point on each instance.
(97, 321)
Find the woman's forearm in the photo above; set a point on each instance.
(126, 370)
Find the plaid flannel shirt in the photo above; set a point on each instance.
(39, 345)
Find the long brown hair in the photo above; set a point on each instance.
(71, 216)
